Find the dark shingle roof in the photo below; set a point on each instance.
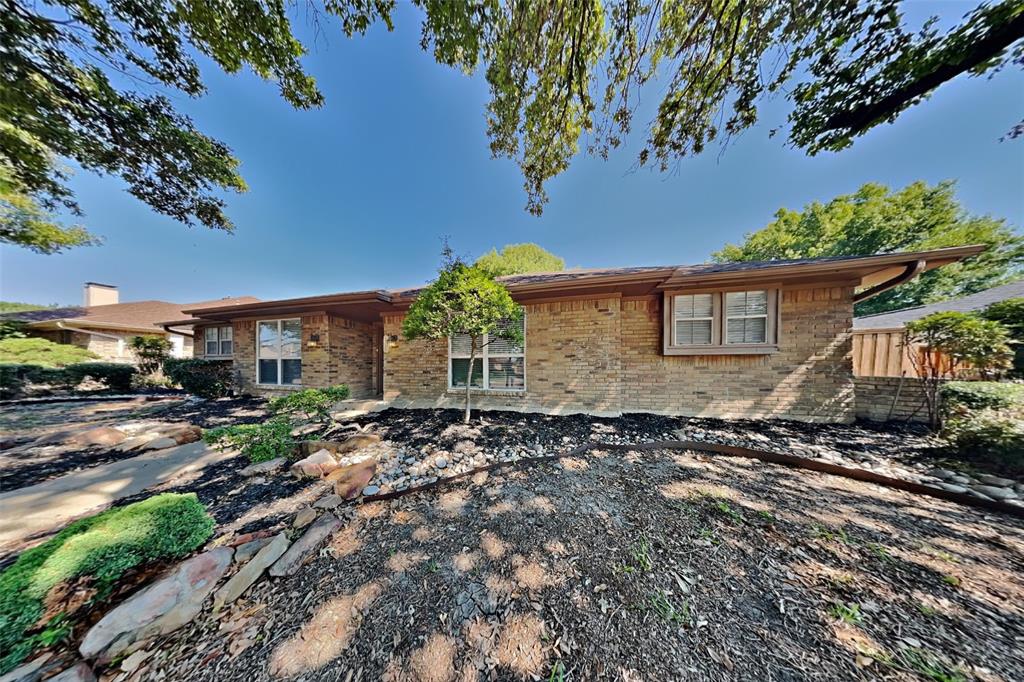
(134, 315)
(965, 304)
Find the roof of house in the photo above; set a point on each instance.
(134, 315)
(863, 271)
(965, 304)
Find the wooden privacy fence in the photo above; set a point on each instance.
(880, 353)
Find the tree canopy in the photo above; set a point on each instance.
(91, 83)
(519, 259)
(875, 219)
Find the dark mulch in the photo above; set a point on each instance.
(640, 566)
(209, 414)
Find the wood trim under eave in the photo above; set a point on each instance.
(911, 271)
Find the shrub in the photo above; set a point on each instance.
(14, 378)
(1010, 313)
(984, 422)
(100, 549)
(115, 376)
(204, 378)
(259, 442)
(311, 403)
(12, 329)
(151, 352)
(36, 351)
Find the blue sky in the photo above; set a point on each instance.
(358, 194)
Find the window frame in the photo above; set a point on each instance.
(719, 344)
(219, 341)
(484, 356)
(280, 323)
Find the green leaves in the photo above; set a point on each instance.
(516, 259)
(875, 219)
(962, 338)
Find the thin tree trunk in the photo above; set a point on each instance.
(469, 376)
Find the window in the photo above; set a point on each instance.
(721, 322)
(219, 341)
(499, 366)
(279, 352)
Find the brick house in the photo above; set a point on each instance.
(768, 339)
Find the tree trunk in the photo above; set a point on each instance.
(469, 376)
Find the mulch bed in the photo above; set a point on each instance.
(635, 566)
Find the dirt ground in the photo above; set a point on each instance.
(640, 566)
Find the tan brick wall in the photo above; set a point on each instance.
(604, 356)
(884, 399)
(344, 354)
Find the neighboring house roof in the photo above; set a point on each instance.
(133, 316)
(965, 304)
(865, 271)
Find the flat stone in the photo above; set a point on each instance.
(248, 550)
(953, 488)
(301, 548)
(320, 463)
(350, 480)
(996, 481)
(132, 663)
(350, 444)
(251, 572)
(162, 607)
(371, 490)
(268, 467)
(331, 501)
(995, 492)
(133, 443)
(944, 474)
(960, 480)
(305, 429)
(32, 671)
(102, 435)
(306, 516)
(160, 443)
(80, 672)
(441, 462)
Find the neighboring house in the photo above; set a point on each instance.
(106, 327)
(770, 339)
(878, 340)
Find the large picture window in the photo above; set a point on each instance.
(722, 322)
(219, 341)
(279, 352)
(499, 366)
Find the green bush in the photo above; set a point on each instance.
(259, 442)
(204, 378)
(984, 422)
(36, 351)
(12, 329)
(151, 352)
(1010, 313)
(311, 403)
(115, 376)
(100, 548)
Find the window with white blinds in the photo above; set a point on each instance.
(500, 364)
(219, 341)
(721, 322)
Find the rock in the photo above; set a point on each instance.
(132, 663)
(251, 572)
(245, 552)
(305, 429)
(160, 443)
(371, 490)
(80, 672)
(268, 467)
(320, 463)
(944, 474)
(359, 441)
(960, 480)
(103, 435)
(162, 607)
(314, 535)
(996, 481)
(331, 501)
(950, 487)
(441, 462)
(350, 444)
(133, 443)
(349, 480)
(32, 671)
(994, 492)
(306, 516)
(182, 433)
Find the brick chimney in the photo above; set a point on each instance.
(95, 293)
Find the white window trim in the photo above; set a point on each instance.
(279, 323)
(718, 345)
(483, 355)
(220, 341)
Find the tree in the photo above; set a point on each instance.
(581, 72)
(1010, 314)
(877, 220)
(518, 259)
(151, 352)
(464, 299)
(942, 345)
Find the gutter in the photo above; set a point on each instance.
(92, 332)
(911, 271)
(167, 328)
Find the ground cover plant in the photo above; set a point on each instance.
(312, 404)
(92, 553)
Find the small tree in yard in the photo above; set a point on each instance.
(151, 352)
(464, 299)
(943, 345)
